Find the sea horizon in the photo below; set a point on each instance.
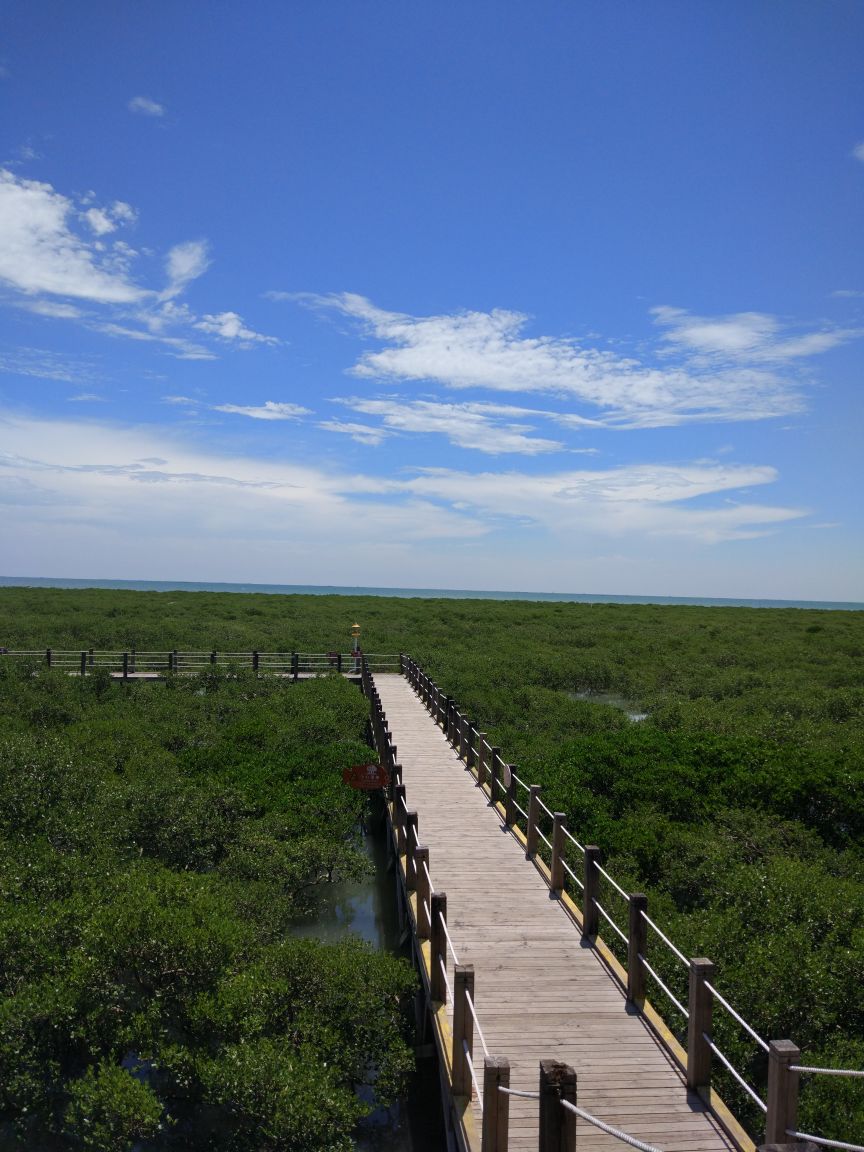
(419, 593)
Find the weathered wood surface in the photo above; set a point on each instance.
(539, 994)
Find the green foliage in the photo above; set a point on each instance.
(157, 841)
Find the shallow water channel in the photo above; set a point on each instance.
(367, 908)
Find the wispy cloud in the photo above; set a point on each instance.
(44, 365)
(858, 152)
(362, 433)
(85, 398)
(476, 426)
(144, 106)
(488, 350)
(54, 250)
(269, 410)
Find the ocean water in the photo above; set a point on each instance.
(418, 593)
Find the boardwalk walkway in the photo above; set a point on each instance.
(540, 994)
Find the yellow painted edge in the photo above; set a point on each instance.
(652, 1017)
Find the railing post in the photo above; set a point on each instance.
(482, 770)
(411, 842)
(443, 712)
(395, 780)
(125, 665)
(590, 881)
(438, 951)
(399, 817)
(91, 655)
(463, 1029)
(424, 892)
(470, 751)
(295, 665)
(339, 662)
(496, 1104)
(557, 1124)
(510, 797)
(494, 773)
(532, 835)
(255, 660)
(699, 1005)
(213, 657)
(556, 879)
(464, 725)
(782, 1100)
(48, 657)
(175, 659)
(83, 664)
(637, 945)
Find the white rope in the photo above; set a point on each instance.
(570, 836)
(444, 974)
(428, 877)
(548, 811)
(470, 1062)
(543, 838)
(516, 1092)
(631, 1140)
(567, 868)
(449, 941)
(735, 1016)
(486, 744)
(757, 1099)
(825, 1071)
(476, 1022)
(824, 1142)
(675, 1001)
(404, 805)
(609, 920)
(414, 834)
(614, 883)
(519, 782)
(664, 938)
(520, 810)
(428, 910)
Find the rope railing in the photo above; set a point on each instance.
(613, 882)
(608, 1128)
(823, 1141)
(470, 1062)
(754, 1096)
(449, 941)
(573, 840)
(665, 939)
(572, 874)
(470, 1002)
(443, 967)
(826, 1071)
(735, 1016)
(610, 921)
(671, 995)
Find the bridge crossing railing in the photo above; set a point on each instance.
(505, 789)
(135, 663)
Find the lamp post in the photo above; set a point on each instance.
(355, 641)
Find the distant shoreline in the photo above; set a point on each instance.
(417, 593)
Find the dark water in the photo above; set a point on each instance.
(367, 908)
(424, 593)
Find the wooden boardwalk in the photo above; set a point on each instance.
(540, 993)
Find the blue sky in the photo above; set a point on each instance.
(557, 296)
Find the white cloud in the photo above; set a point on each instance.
(39, 253)
(85, 397)
(185, 263)
(477, 427)
(635, 500)
(487, 350)
(105, 220)
(752, 337)
(362, 433)
(178, 400)
(229, 326)
(269, 410)
(144, 106)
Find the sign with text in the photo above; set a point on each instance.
(366, 776)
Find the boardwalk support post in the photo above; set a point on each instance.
(295, 665)
(637, 946)
(463, 1029)
(556, 876)
(437, 987)
(699, 1005)
(470, 750)
(510, 798)
(557, 1124)
(125, 665)
(782, 1091)
(532, 836)
(48, 657)
(590, 917)
(399, 817)
(481, 758)
(424, 893)
(494, 774)
(255, 660)
(412, 839)
(496, 1104)
(83, 663)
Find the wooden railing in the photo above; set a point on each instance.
(429, 914)
(132, 663)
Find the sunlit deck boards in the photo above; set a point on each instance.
(539, 993)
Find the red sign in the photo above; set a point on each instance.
(366, 776)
